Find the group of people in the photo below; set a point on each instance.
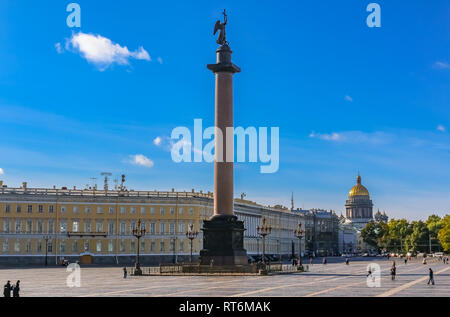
(8, 288)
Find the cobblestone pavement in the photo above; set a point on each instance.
(335, 279)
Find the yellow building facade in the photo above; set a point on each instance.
(71, 223)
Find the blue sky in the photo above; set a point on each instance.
(346, 97)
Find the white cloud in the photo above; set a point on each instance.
(59, 48)
(157, 141)
(323, 136)
(441, 128)
(441, 65)
(141, 160)
(348, 98)
(159, 59)
(354, 137)
(1, 171)
(102, 52)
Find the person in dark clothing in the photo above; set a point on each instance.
(406, 261)
(324, 261)
(347, 261)
(393, 272)
(369, 272)
(7, 289)
(431, 275)
(125, 273)
(16, 289)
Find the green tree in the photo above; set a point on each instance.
(444, 233)
(434, 224)
(370, 235)
(418, 239)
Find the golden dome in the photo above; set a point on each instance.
(358, 189)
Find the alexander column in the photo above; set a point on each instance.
(223, 234)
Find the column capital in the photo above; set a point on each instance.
(224, 63)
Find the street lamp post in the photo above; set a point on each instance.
(46, 238)
(191, 235)
(138, 232)
(263, 231)
(299, 234)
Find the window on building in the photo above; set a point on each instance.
(132, 226)
(50, 247)
(111, 227)
(122, 245)
(181, 228)
(153, 210)
(133, 210)
(40, 226)
(87, 225)
(172, 210)
(76, 210)
(152, 246)
(172, 245)
(75, 226)
(99, 210)
(51, 209)
(110, 246)
(99, 246)
(123, 210)
(39, 247)
(86, 245)
(63, 226)
(6, 226)
(87, 210)
(50, 227)
(17, 246)
(18, 226)
(181, 211)
(172, 227)
(123, 227)
(62, 246)
(162, 227)
(7, 208)
(142, 210)
(182, 245)
(152, 227)
(75, 246)
(63, 209)
(191, 211)
(162, 211)
(162, 247)
(29, 226)
(40, 209)
(143, 226)
(6, 245)
(132, 246)
(19, 209)
(30, 209)
(142, 246)
(111, 210)
(99, 226)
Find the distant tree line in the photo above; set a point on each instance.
(401, 236)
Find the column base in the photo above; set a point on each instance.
(223, 242)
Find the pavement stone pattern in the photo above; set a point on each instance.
(333, 279)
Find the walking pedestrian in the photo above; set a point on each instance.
(16, 289)
(406, 261)
(324, 260)
(347, 261)
(369, 272)
(7, 289)
(125, 273)
(431, 277)
(393, 272)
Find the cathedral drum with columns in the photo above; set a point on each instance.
(359, 206)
